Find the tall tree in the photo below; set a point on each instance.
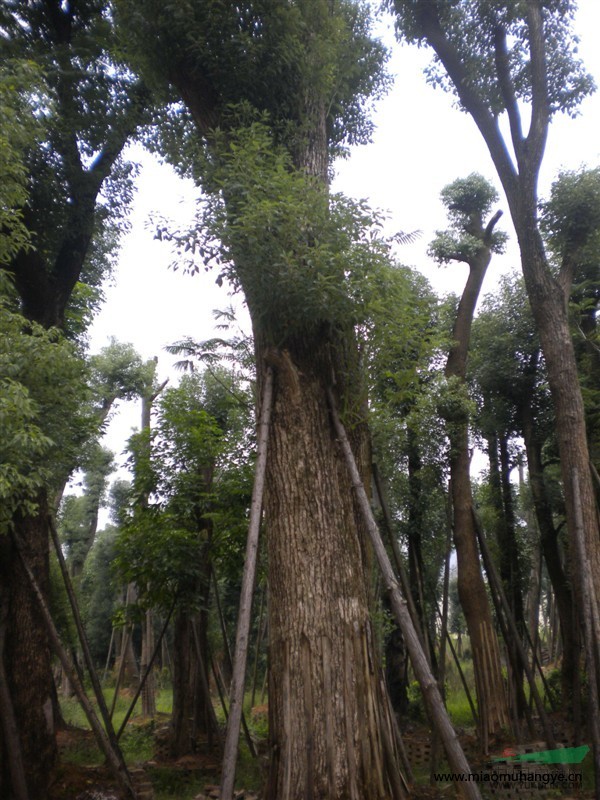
(90, 106)
(496, 57)
(507, 365)
(311, 67)
(471, 240)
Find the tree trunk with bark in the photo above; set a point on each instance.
(547, 292)
(27, 664)
(489, 683)
(330, 728)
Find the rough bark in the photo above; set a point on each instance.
(27, 665)
(330, 731)
(193, 720)
(489, 684)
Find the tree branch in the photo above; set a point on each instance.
(508, 90)
(484, 119)
(540, 107)
(489, 229)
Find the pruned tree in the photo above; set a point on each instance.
(89, 106)
(299, 77)
(470, 240)
(519, 59)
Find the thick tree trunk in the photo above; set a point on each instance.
(547, 294)
(549, 307)
(193, 721)
(330, 728)
(489, 683)
(27, 663)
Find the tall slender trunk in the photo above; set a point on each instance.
(489, 683)
(561, 585)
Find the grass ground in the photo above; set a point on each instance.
(82, 762)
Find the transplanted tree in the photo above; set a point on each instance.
(89, 106)
(508, 368)
(571, 225)
(497, 57)
(303, 73)
(43, 422)
(471, 240)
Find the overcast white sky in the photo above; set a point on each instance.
(421, 143)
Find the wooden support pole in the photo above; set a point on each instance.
(146, 673)
(591, 626)
(85, 647)
(497, 587)
(248, 579)
(227, 653)
(431, 693)
(116, 764)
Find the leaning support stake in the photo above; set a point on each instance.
(85, 648)
(146, 672)
(243, 629)
(116, 765)
(591, 627)
(431, 694)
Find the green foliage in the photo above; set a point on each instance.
(571, 217)
(476, 27)
(182, 497)
(264, 53)
(78, 186)
(19, 130)
(506, 369)
(302, 258)
(468, 201)
(43, 414)
(98, 593)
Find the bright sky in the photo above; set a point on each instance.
(421, 144)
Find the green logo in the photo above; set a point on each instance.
(563, 755)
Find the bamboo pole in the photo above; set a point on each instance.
(243, 628)
(117, 765)
(441, 676)
(497, 585)
(146, 673)
(85, 647)
(227, 652)
(591, 627)
(431, 693)
(400, 570)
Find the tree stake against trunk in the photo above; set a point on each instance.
(241, 641)
(431, 694)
